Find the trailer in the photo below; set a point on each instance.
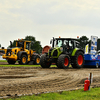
(92, 57)
(92, 60)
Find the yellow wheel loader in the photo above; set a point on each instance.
(21, 53)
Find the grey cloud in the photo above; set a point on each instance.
(40, 20)
(39, 14)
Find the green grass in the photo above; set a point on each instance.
(17, 65)
(20, 66)
(3, 61)
(24, 65)
(93, 94)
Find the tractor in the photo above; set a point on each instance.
(64, 51)
(21, 53)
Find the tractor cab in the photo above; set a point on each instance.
(23, 44)
(66, 44)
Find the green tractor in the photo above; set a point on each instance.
(64, 51)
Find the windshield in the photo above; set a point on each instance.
(58, 43)
(27, 45)
(20, 44)
(61, 43)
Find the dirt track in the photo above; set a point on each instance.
(27, 80)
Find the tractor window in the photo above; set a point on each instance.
(78, 45)
(66, 42)
(21, 44)
(59, 43)
(70, 43)
(27, 45)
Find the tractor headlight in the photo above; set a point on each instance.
(61, 49)
(8, 54)
(12, 52)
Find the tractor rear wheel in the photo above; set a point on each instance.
(43, 62)
(23, 60)
(11, 61)
(78, 61)
(63, 61)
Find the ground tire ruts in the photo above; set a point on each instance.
(27, 80)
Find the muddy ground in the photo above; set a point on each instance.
(27, 80)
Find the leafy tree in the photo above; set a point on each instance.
(0, 45)
(34, 45)
(84, 41)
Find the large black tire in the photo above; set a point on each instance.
(43, 62)
(37, 60)
(78, 61)
(23, 60)
(11, 62)
(63, 61)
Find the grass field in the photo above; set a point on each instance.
(93, 94)
(3, 61)
(24, 65)
(17, 65)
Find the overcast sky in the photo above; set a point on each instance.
(45, 19)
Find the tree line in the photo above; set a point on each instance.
(84, 41)
(37, 46)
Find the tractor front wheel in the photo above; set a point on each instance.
(63, 61)
(23, 60)
(43, 62)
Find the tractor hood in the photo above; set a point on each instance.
(55, 52)
(12, 50)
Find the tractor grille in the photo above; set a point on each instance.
(8, 52)
(2, 52)
(55, 53)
